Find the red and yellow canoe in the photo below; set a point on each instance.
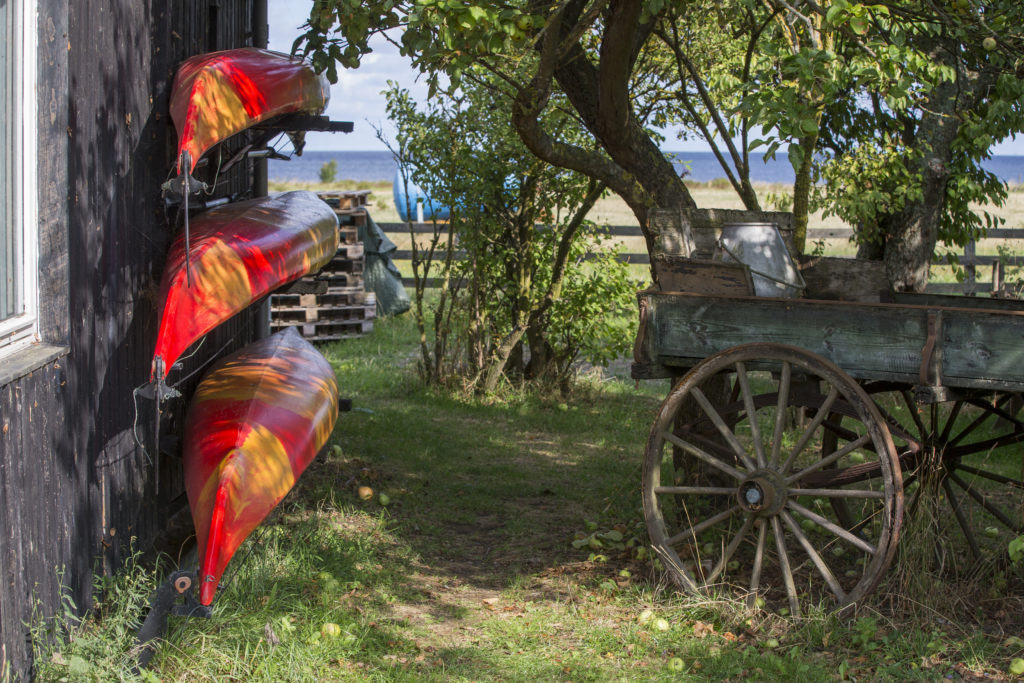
(238, 253)
(257, 419)
(219, 94)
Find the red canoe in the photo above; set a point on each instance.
(237, 254)
(258, 418)
(218, 94)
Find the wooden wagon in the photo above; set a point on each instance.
(801, 430)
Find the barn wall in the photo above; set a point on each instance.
(75, 485)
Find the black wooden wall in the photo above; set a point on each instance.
(75, 487)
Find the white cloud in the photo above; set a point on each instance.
(357, 95)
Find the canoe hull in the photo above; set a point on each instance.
(237, 254)
(256, 421)
(219, 94)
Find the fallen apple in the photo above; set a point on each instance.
(660, 624)
(384, 499)
(772, 643)
(1017, 666)
(808, 525)
(645, 616)
(991, 531)
(676, 664)
(330, 630)
(759, 602)
(364, 493)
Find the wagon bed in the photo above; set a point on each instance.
(930, 341)
(800, 431)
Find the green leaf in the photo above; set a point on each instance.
(796, 156)
(859, 25)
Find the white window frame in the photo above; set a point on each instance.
(22, 330)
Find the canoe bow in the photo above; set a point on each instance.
(256, 421)
(219, 94)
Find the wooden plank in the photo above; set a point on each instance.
(869, 342)
(975, 349)
(982, 349)
(844, 279)
(698, 276)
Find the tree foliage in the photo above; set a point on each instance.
(833, 84)
(516, 301)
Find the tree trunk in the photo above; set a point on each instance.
(909, 248)
(802, 193)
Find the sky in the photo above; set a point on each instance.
(357, 95)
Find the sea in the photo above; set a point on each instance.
(370, 166)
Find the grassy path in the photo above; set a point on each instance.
(470, 571)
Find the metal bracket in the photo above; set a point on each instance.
(163, 603)
(307, 122)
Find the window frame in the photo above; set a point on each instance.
(22, 330)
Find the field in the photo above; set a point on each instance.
(611, 210)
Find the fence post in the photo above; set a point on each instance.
(970, 285)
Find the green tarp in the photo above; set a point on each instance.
(380, 275)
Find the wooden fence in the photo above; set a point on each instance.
(972, 263)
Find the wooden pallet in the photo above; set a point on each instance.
(348, 234)
(346, 200)
(328, 331)
(335, 305)
(322, 313)
(338, 296)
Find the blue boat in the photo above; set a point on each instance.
(408, 194)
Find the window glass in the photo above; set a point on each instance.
(10, 247)
(18, 231)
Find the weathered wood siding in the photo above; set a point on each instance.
(74, 486)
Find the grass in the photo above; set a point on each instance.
(471, 573)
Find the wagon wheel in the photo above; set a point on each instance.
(767, 527)
(960, 457)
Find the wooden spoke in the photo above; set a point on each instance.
(980, 500)
(961, 518)
(819, 417)
(838, 493)
(911, 406)
(730, 549)
(839, 531)
(696, 490)
(748, 404)
(723, 429)
(702, 526)
(829, 459)
(780, 414)
(819, 563)
(969, 429)
(1016, 483)
(951, 420)
(787, 574)
(755, 572)
(704, 456)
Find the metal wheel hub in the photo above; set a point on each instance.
(763, 493)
